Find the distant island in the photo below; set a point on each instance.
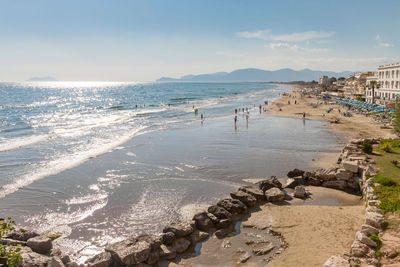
(42, 79)
(258, 75)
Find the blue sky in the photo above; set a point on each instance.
(144, 40)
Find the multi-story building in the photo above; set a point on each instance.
(354, 86)
(371, 88)
(388, 83)
(323, 80)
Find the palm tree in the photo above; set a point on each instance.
(372, 85)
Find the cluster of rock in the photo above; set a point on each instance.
(36, 250)
(362, 250)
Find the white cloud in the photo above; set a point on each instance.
(295, 47)
(292, 37)
(381, 43)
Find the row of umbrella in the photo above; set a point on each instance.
(373, 108)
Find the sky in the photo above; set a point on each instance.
(129, 40)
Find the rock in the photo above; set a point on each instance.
(338, 184)
(314, 181)
(365, 239)
(374, 209)
(198, 236)
(342, 174)
(224, 223)
(33, 259)
(389, 253)
(350, 166)
(72, 264)
(154, 256)
(180, 229)
(226, 244)
(100, 260)
(337, 261)
(167, 252)
(274, 195)
(300, 192)
(295, 173)
(55, 262)
(295, 181)
(213, 218)
(288, 196)
(244, 258)
(359, 249)
(181, 244)
(255, 192)
(203, 222)
(374, 202)
(269, 183)
(375, 219)
(21, 234)
(263, 250)
(40, 244)
(369, 230)
(130, 251)
(326, 175)
(221, 233)
(246, 198)
(167, 238)
(219, 212)
(233, 206)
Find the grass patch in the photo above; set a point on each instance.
(389, 197)
(54, 236)
(390, 146)
(383, 180)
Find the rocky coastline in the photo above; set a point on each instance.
(351, 175)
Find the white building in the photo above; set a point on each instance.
(323, 80)
(371, 88)
(389, 82)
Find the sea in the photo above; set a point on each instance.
(101, 161)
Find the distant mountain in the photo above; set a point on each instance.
(258, 75)
(41, 79)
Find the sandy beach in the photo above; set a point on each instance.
(316, 228)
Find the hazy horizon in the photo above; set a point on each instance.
(145, 40)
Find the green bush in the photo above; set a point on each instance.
(366, 147)
(9, 255)
(387, 147)
(54, 236)
(376, 239)
(383, 180)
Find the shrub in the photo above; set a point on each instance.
(9, 255)
(54, 236)
(387, 147)
(385, 181)
(389, 197)
(396, 122)
(366, 147)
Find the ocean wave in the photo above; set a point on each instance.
(16, 143)
(65, 162)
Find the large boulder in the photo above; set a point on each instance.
(167, 238)
(255, 192)
(33, 259)
(244, 197)
(223, 223)
(154, 256)
(21, 234)
(40, 244)
(167, 252)
(130, 251)
(275, 195)
(369, 230)
(365, 239)
(359, 249)
(314, 181)
(337, 261)
(180, 229)
(100, 260)
(181, 244)
(198, 236)
(219, 212)
(203, 222)
(336, 184)
(295, 173)
(293, 182)
(375, 219)
(326, 174)
(234, 206)
(269, 183)
(342, 174)
(351, 166)
(300, 192)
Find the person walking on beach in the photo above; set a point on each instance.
(304, 115)
(201, 116)
(235, 110)
(260, 109)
